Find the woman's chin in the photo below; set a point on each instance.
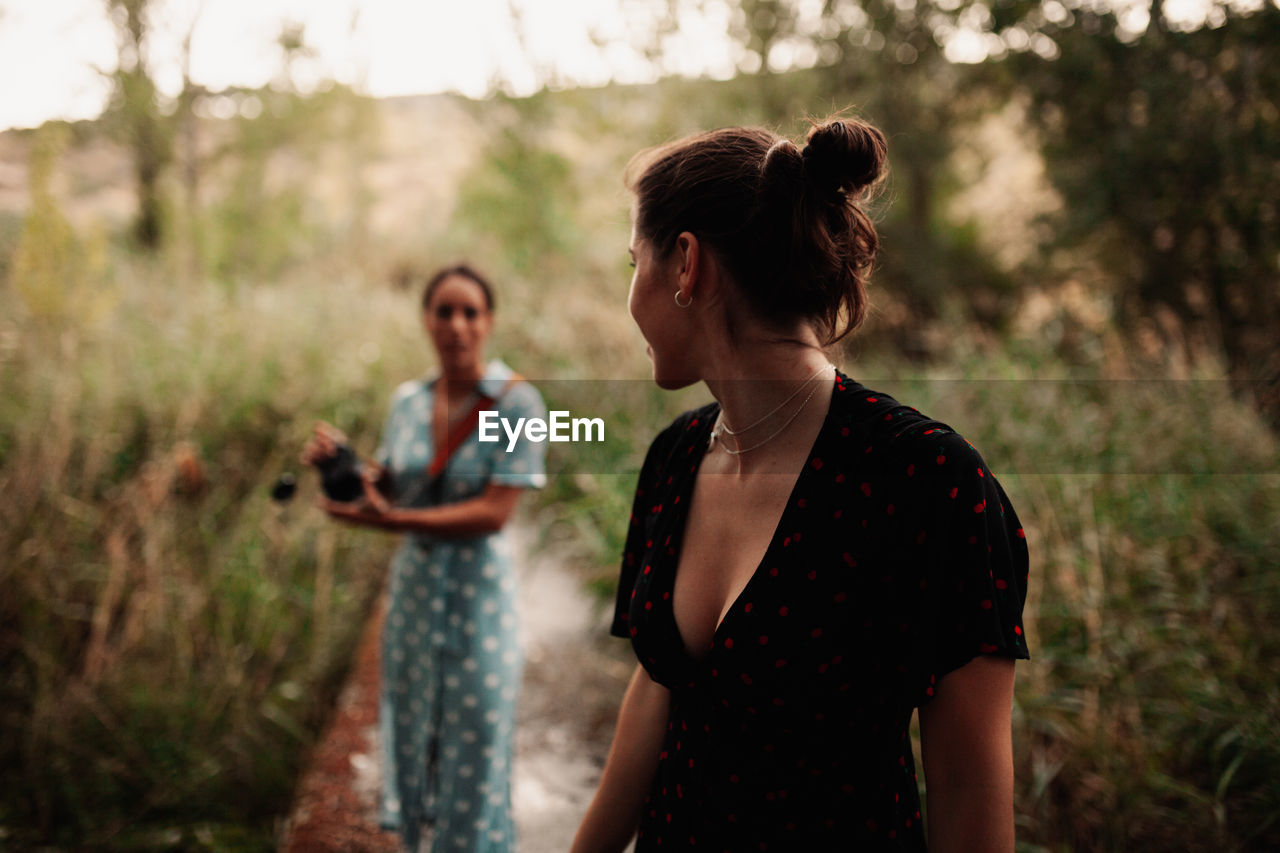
(671, 381)
(458, 363)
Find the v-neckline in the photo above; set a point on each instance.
(680, 524)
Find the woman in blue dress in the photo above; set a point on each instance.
(451, 662)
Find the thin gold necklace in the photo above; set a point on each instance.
(723, 428)
(719, 427)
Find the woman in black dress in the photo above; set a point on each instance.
(808, 561)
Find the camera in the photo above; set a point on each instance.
(341, 475)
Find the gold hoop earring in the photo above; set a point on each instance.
(687, 303)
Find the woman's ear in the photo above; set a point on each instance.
(698, 271)
(689, 261)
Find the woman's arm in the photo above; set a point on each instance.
(614, 813)
(485, 513)
(967, 752)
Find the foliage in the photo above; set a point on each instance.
(266, 214)
(1142, 721)
(50, 265)
(517, 202)
(1164, 146)
(172, 640)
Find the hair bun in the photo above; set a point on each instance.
(844, 155)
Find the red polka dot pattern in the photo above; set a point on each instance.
(898, 559)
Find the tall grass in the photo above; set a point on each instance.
(1146, 719)
(171, 636)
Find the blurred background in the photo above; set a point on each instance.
(214, 221)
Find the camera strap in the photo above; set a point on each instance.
(457, 435)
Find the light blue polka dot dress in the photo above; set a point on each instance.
(451, 662)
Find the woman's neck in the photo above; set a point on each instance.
(767, 398)
(460, 382)
(750, 387)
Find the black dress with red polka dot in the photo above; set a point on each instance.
(897, 559)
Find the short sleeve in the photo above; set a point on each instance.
(976, 562)
(524, 465)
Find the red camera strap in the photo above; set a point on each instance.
(463, 428)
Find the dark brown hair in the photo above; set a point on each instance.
(463, 270)
(787, 223)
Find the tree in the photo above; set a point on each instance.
(187, 123)
(889, 59)
(135, 112)
(1164, 146)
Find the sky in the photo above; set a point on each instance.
(52, 51)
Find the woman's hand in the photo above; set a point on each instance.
(372, 510)
(323, 444)
(361, 512)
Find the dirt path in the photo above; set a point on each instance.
(574, 678)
